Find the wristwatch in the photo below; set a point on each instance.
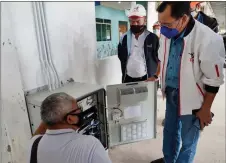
(156, 77)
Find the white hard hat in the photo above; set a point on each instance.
(137, 11)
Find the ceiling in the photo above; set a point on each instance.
(120, 5)
(219, 9)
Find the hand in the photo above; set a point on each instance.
(205, 117)
(151, 79)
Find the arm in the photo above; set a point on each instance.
(155, 53)
(158, 69)
(120, 47)
(41, 129)
(119, 51)
(208, 100)
(212, 61)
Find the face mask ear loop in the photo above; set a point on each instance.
(181, 24)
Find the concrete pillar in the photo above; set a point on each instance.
(152, 15)
(208, 9)
(133, 4)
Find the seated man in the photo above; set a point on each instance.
(61, 143)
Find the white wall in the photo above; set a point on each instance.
(72, 38)
(72, 35)
(73, 43)
(25, 42)
(72, 32)
(71, 27)
(15, 129)
(109, 71)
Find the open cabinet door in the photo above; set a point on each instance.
(132, 109)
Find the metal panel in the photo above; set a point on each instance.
(148, 113)
(74, 89)
(84, 93)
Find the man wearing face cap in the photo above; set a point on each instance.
(138, 49)
(57, 138)
(192, 59)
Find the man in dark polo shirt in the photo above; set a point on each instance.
(138, 49)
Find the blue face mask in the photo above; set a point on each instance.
(169, 32)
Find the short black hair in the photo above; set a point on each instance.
(178, 8)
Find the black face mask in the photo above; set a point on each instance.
(137, 28)
(80, 118)
(84, 117)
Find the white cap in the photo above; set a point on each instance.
(137, 10)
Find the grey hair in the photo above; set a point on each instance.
(55, 107)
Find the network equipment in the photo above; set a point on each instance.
(119, 114)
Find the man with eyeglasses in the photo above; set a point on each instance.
(192, 59)
(138, 49)
(57, 137)
(202, 18)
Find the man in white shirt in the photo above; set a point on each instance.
(61, 143)
(138, 49)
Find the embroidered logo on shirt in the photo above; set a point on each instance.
(192, 57)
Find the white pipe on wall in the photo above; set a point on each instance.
(49, 69)
(45, 72)
(47, 45)
(44, 47)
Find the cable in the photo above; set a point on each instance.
(119, 110)
(37, 22)
(88, 100)
(56, 76)
(114, 108)
(42, 41)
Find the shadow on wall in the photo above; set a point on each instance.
(82, 60)
(108, 71)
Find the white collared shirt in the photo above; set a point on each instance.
(136, 66)
(68, 146)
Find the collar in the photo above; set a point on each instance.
(59, 131)
(180, 36)
(189, 27)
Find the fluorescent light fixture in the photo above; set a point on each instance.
(119, 1)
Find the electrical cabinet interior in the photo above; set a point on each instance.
(129, 116)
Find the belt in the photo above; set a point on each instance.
(142, 77)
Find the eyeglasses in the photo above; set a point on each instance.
(168, 24)
(73, 112)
